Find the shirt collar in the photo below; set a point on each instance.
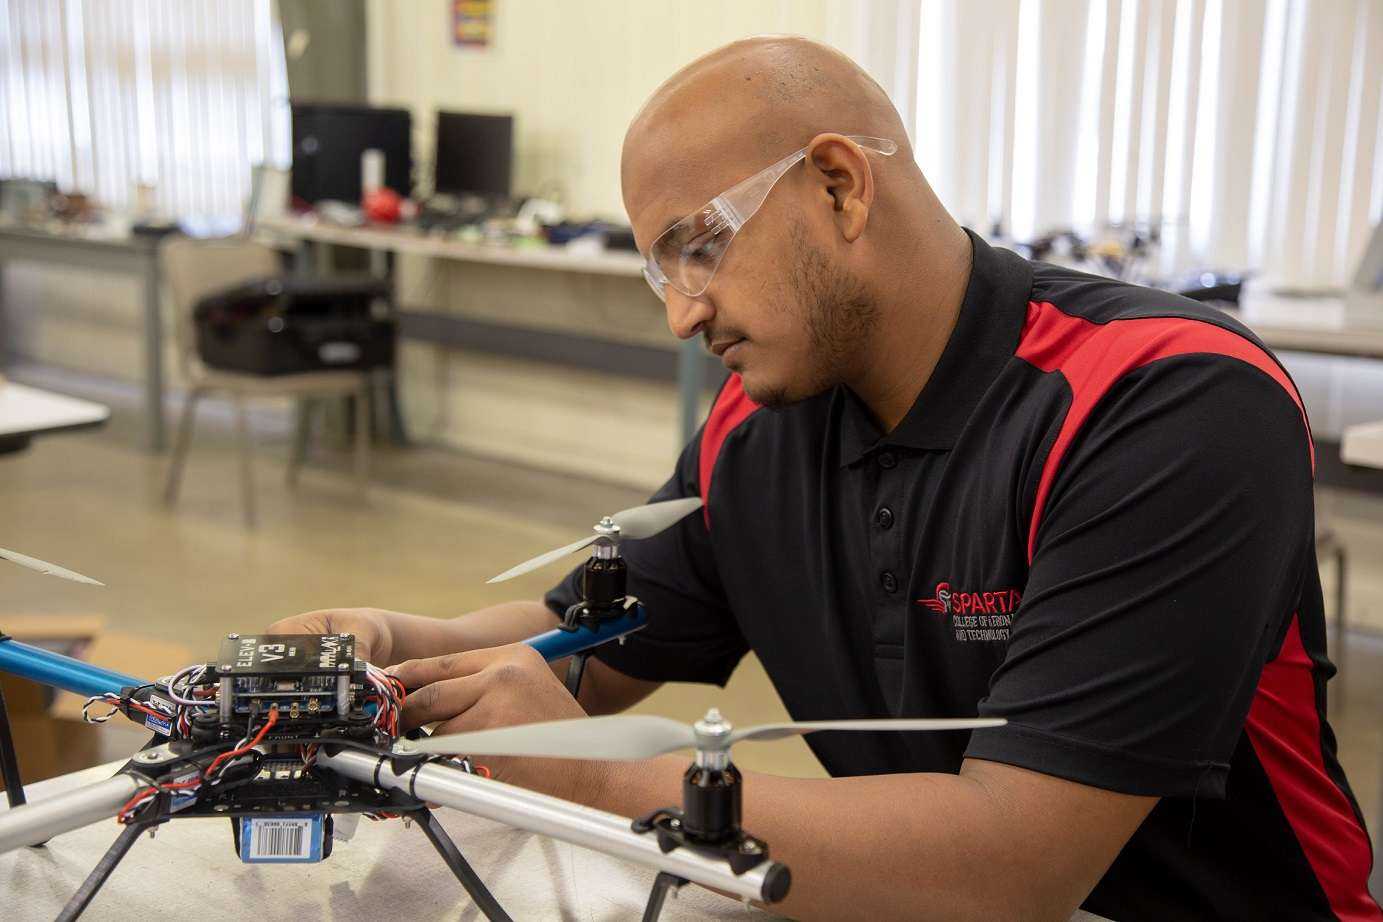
(984, 339)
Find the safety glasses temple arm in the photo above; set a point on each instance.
(741, 201)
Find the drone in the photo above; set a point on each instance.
(289, 735)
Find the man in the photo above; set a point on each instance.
(944, 481)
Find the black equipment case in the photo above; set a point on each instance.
(285, 325)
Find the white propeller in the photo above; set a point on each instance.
(643, 736)
(638, 522)
(43, 566)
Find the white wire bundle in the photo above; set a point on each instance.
(109, 698)
(178, 688)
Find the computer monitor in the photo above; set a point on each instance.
(475, 154)
(328, 140)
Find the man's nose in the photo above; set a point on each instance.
(686, 316)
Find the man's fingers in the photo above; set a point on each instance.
(476, 718)
(415, 673)
(299, 624)
(442, 700)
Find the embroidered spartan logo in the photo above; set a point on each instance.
(975, 616)
(941, 603)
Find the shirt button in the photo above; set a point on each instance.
(887, 460)
(884, 517)
(888, 581)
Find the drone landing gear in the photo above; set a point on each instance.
(663, 884)
(575, 670)
(484, 900)
(77, 905)
(434, 831)
(9, 761)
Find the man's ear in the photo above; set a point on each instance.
(842, 169)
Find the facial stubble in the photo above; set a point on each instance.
(839, 317)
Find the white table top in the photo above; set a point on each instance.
(1308, 324)
(27, 410)
(386, 871)
(411, 241)
(1363, 445)
(116, 236)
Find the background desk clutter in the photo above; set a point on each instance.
(306, 306)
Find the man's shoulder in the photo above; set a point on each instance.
(1101, 300)
(1095, 330)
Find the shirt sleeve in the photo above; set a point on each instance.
(1168, 565)
(691, 635)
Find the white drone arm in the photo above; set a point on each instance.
(560, 819)
(40, 821)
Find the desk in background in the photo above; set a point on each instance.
(1316, 325)
(128, 254)
(1363, 445)
(27, 411)
(306, 235)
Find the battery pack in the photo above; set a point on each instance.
(282, 838)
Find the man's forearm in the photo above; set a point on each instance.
(508, 622)
(915, 846)
(420, 637)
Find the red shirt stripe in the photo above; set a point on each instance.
(1092, 357)
(731, 408)
(1285, 731)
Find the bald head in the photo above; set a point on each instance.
(738, 108)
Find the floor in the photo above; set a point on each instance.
(434, 526)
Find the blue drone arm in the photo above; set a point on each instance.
(60, 671)
(559, 642)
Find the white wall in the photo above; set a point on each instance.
(573, 73)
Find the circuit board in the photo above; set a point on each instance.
(305, 676)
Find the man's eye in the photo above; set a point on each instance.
(701, 250)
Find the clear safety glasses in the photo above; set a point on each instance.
(686, 255)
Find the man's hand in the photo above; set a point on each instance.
(386, 637)
(374, 640)
(498, 687)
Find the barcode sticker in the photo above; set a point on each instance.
(280, 838)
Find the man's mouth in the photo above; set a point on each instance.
(718, 349)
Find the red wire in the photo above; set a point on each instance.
(225, 756)
(143, 793)
(147, 710)
(391, 725)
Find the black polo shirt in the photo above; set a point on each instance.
(1095, 521)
